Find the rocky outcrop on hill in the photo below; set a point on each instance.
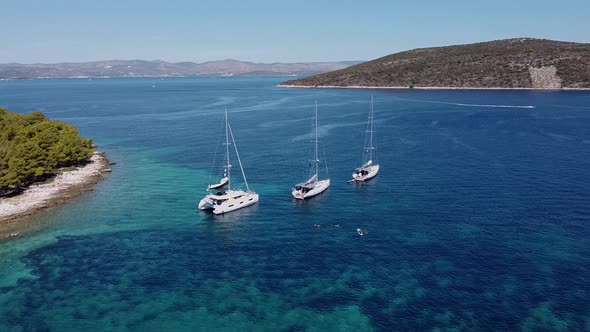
(545, 78)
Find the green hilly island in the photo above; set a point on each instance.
(510, 63)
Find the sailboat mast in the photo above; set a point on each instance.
(371, 131)
(317, 160)
(228, 166)
(233, 140)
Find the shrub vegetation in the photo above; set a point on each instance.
(32, 147)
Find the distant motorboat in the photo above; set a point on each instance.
(313, 186)
(224, 199)
(370, 166)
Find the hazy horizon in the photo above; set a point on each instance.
(161, 60)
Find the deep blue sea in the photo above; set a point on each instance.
(478, 220)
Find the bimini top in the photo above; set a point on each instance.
(222, 196)
(305, 186)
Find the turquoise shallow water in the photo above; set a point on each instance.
(478, 220)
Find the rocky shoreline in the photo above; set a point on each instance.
(62, 188)
(420, 87)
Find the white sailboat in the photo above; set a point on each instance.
(370, 164)
(223, 198)
(313, 186)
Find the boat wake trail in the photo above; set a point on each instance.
(469, 105)
(497, 106)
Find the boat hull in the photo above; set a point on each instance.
(319, 188)
(235, 201)
(373, 170)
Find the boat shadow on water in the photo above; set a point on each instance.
(313, 202)
(233, 216)
(361, 184)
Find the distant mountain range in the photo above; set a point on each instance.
(157, 68)
(510, 63)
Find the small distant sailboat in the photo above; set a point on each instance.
(313, 186)
(225, 199)
(370, 164)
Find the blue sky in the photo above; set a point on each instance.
(270, 31)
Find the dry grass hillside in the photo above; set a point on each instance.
(510, 63)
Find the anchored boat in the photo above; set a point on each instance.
(370, 165)
(222, 198)
(313, 186)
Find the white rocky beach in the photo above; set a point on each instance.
(47, 194)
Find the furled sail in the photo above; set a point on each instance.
(314, 178)
(223, 182)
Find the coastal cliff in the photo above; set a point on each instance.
(512, 63)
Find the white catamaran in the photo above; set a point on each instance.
(370, 164)
(313, 186)
(223, 198)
